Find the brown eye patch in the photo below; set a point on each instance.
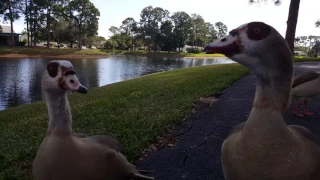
(52, 69)
(258, 31)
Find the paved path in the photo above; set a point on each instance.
(196, 155)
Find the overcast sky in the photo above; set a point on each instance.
(231, 12)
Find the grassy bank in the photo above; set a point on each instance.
(7, 51)
(304, 58)
(135, 111)
(67, 52)
(166, 54)
(43, 52)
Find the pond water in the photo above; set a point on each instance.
(20, 77)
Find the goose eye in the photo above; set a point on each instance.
(72, 81)
(52, 69)
(256, 30)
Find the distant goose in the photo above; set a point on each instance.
(66, 156)
(304, 86)
(264, 147)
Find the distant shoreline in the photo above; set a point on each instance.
(15, 55)
(43, 52)
(52, 56)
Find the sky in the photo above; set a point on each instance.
(233, 13)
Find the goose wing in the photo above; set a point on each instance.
(305, 77)
(109, 141)
(305, 132)
(118, 165)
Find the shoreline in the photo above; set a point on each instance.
(54, 55)
(15, 55)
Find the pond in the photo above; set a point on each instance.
(20, 77)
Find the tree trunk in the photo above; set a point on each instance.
(34, 26)
(11, 23)
(79, 36)
(48, 26)
(79, 42)
(292, 23)
(27, 20)
(132, 43)
(12, 38)
(31, 19)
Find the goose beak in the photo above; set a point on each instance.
(82, 89)
(227, 46)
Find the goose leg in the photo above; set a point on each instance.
(296, 111)
(305, 109)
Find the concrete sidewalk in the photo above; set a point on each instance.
(196, 155)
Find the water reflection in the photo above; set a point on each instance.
(20, 78)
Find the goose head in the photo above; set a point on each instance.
(257, 46)
(59, 77)
(261, 49)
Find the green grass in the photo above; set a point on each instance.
(305, 58)
(134, 111)
(68, 51)
(52, 51)
(25, 50)
(171, 54)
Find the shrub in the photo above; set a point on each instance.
(195, 51)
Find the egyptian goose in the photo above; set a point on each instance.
(63, 155)
(304, 86)
(264, 147)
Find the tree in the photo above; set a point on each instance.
(35, 20)
(128, 27)
(212, 33)
(150, 20)
(183, 23)
(110, 44)
(50, 7)
(156, 28)
(61, 31)
(315, 47)
(114, 30)
(11, 10)
(222, 29)
(26, 15)
(166, 35)
(85, 15)
(199, 30)
(291, 22)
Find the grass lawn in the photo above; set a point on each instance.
(134, 111)
(305, 58)
(69, 51)
(51, 51)
(165, 53)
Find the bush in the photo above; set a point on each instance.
(22, 43)
(195, 51)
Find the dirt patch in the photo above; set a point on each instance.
(53, 55)
(162, 142)
(170, 139)
(207, 100)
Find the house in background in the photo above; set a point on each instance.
(300, 53)
(185, 47)
(5, 36)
